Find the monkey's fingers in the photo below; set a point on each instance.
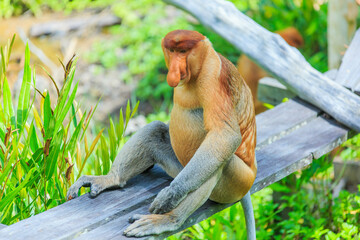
(135, 217)
(95, 189)
(72, 192)
(166, 200)
(74, 189)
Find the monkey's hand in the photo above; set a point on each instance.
(97, 184)
(166, 200)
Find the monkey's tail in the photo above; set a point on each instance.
(249, 217)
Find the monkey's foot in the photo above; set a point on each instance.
(143, 225)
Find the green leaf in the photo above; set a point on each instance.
(74, 115)
(3, 60)
(120, 127)
(33, 138)
(47, 117)
(113, 141)
(135, 109)
(104, 155)
(127, 114)
(51, 160)
(10, 47)
(29, 179)
(64, 92)
(66, 108)
(5, 173)
(24, 96)
(8, 106)
(74, 138)
(87, 124)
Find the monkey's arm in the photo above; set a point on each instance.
(216, 149)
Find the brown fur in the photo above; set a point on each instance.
(216, 88)
(182, 39)
(252, 73)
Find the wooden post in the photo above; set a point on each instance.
(341, 27)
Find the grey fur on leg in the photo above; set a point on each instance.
(143, 225)
(249, 217)
(150, 145)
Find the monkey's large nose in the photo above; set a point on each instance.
(173, 76)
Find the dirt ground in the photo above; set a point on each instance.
(60, 37)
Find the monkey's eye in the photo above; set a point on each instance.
(171, 50)
(183, 51)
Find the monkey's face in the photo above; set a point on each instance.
(176, 61)
(179, 49)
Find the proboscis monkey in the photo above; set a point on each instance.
(208, 147)
(252, 73)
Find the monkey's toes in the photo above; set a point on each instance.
(149, 224)
(135, 217)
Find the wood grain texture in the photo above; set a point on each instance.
(283, 119)
(272, 53)
(349, 71)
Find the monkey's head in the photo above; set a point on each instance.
(184, 53)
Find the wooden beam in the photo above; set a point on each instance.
(341, 26)
(271, 52)
(349, 71)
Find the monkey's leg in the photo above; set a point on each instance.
(158, 223)
(150, 145)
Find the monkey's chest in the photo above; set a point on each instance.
(186, 132)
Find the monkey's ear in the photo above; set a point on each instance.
(166, 56)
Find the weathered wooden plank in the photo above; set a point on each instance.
(273, 54)
(297, 149)
(275, 161)
(283, 119)
(349, 71)
(272, 91)
(83, 214)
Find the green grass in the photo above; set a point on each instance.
(45, 147)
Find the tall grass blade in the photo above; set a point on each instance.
(66, 108)
(8, 105)
(24, 96)
(52, 159)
